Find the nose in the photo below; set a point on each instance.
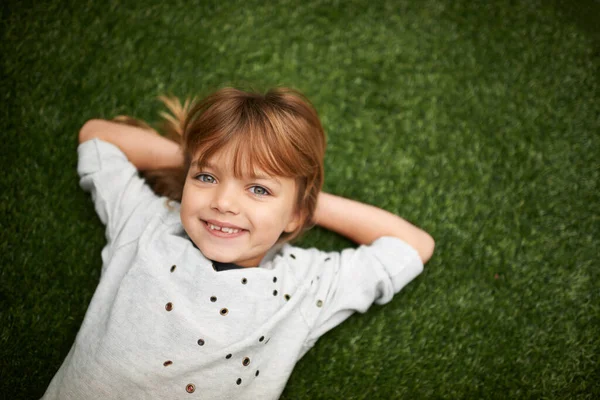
(225, 199)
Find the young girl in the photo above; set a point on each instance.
(204, 297)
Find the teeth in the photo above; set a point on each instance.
(223, 229)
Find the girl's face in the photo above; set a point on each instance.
(236, 220)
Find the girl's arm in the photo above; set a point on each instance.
(363, 223)
(145, 149)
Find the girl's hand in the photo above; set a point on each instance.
(363, 223)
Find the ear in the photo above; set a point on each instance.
(294, 222)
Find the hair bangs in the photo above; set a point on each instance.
(257, 144)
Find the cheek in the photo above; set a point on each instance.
(274, 218)
(190, 202)
(185, 214)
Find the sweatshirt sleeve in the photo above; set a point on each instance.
(120, 195)
(353, 279)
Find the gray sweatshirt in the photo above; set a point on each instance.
(163, 323)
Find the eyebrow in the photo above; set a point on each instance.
(197, 164)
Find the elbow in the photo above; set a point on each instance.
(427, 248)
(89, 130)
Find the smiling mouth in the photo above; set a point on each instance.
(223, 231)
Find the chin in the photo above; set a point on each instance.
(221, 259)
(214, 255)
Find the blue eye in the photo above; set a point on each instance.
(259, 191)
(205, 178)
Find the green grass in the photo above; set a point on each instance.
(479, 121)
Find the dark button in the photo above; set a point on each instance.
(244, 281)
(261, 339)
(224, 311)
(293, 256)
(286, 296)
(169, 306)
(274, 292)
(173, 268)
(190, 388)
(213, 298)
(239, 381)
(201, 342)
(228, 356)
(274, 279)
(167, 363)
(246, 361)
(257, 372)
(319, 303)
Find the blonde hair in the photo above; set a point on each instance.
(278, 132)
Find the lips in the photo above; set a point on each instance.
(222, 229)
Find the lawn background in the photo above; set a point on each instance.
(478, 121)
